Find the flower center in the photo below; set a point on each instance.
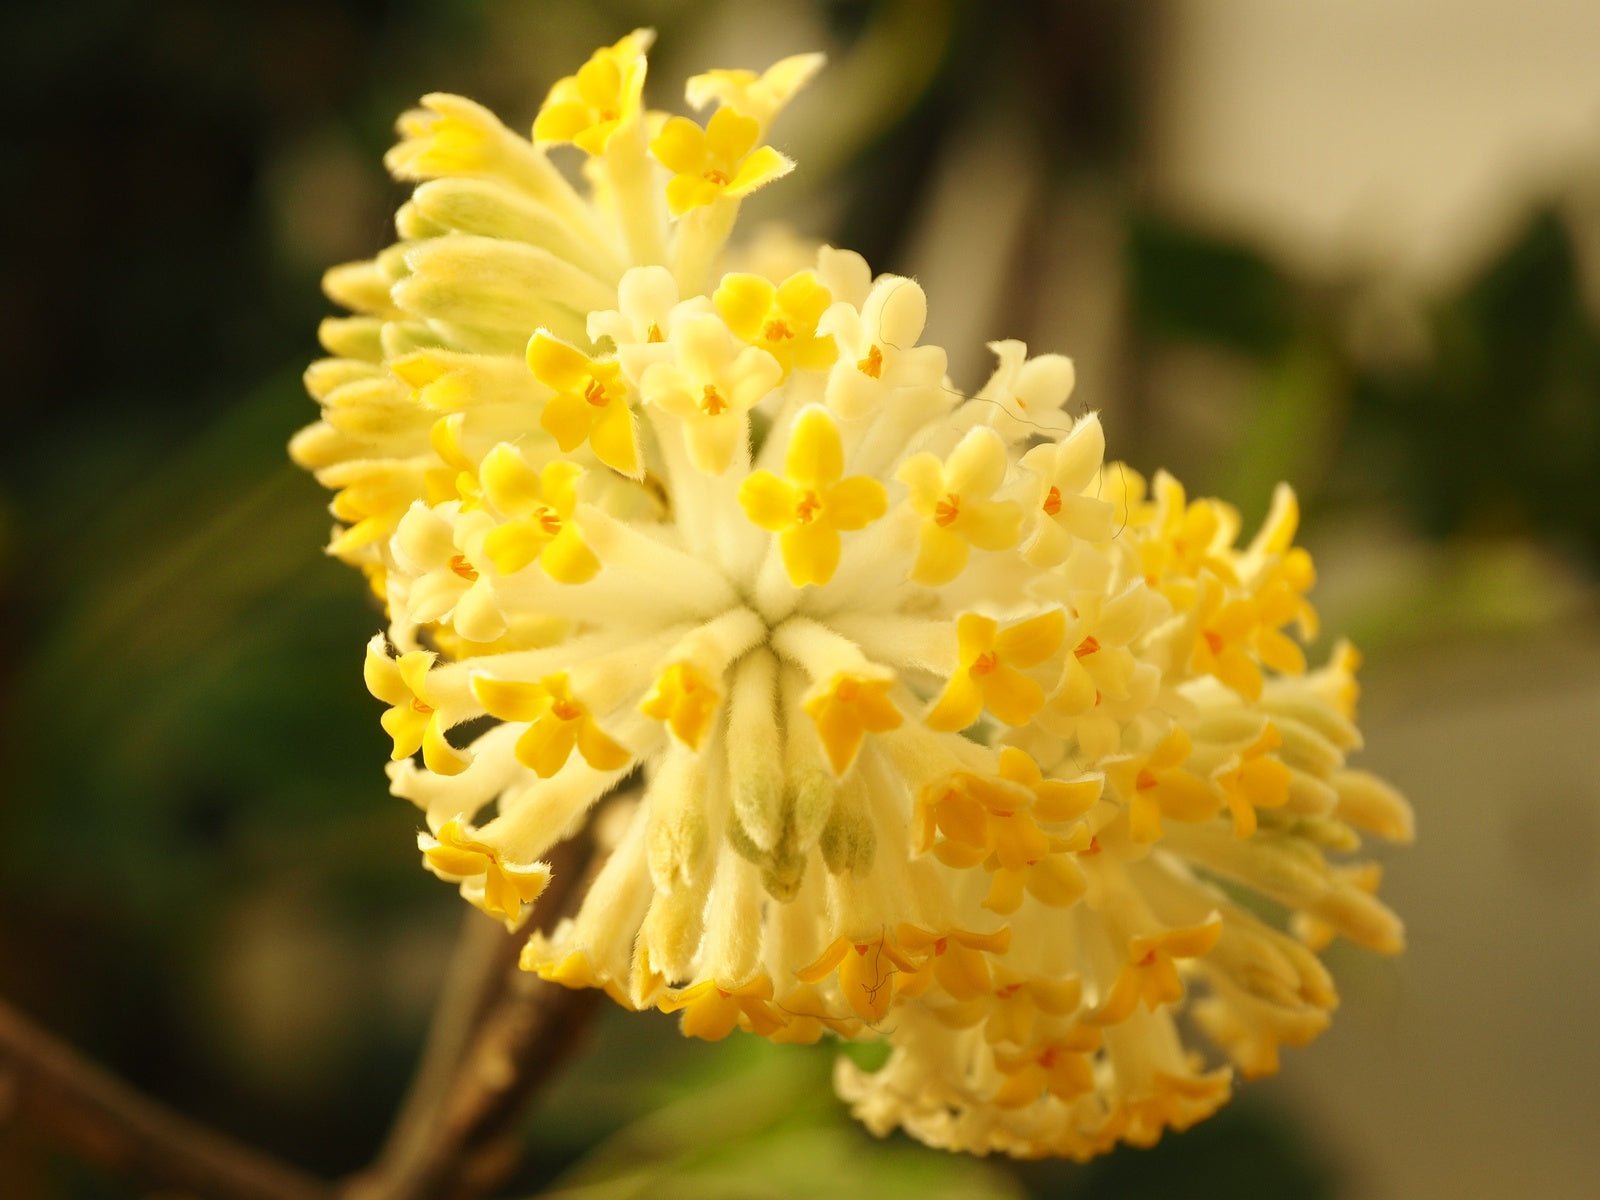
(654, 334)
(566, 710)
(418, 705)
(872, 364)
(711, 402)
(460, 566)
(1052, 502)
(985, 663)
(1087, 647)
(806, 511)
(549, 520)
(717, 177)
(776, 331)
(947, 510)
(595, 393)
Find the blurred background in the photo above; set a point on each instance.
(1350, 243)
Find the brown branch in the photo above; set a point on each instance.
(478, 974)
(460, 1141)
(84, 1110)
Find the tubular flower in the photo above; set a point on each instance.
(910, 718)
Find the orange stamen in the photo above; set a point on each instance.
(872, 364)
(1087, 647)
(712, 402)
(595, 393)
(947, 510)
(985, 663)
(777, 331)
(806, 511)
(460, 566)
(1052, 502)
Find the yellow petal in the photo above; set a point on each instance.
(557, 365)
(455, 860)
(547, 744)
(600, 751)
(866, 978)
(1184, 796)
(855, 503)
(1011, 696)
(768, 501)
(826, 963)
(567, 417)
(689, 191)
(680, 146)
(958, 706)
(1056, 880)
(511, 485)
(1028, 643)
(438, 755)
(567, 559)
(1005, 892)
(514, 545)
(406, 726)
(561, 122)
(559, 483)
(810, 553)
(975, 635)
(1058, 800)
(758, 170)
(990, 524)
(614, 440)
(382, 677)
(1236, 669)
(730, 135)
(511, 700)
(804, 299)
(814, 459)
(743, 301)
(941, 555)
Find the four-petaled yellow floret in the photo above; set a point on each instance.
(812, 503)
(720, 160)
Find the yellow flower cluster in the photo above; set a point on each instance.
(916, 720)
